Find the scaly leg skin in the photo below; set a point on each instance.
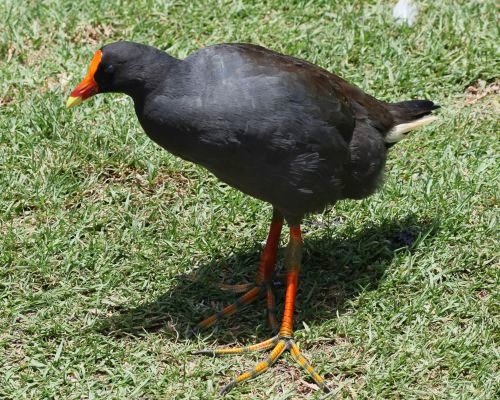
(283, 341)
(262, 281)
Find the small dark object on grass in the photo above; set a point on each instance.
(275, 127)
(406, 237)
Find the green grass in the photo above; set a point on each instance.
(111, 248)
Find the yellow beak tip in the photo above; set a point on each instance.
(73, 101)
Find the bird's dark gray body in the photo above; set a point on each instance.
(275, 127)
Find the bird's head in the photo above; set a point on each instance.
(120, 67)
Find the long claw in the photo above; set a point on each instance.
(259, 368)
(266, 344)
(306, 365)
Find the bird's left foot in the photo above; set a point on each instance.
(279, 344)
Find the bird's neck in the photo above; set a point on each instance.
(152, 76)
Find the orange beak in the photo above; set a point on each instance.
(88, 86)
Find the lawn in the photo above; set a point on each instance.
(111, 249)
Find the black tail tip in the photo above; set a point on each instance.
(409, 110)
(418, 105)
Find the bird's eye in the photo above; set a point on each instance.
(109, 69)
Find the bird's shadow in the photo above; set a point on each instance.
(335, 269)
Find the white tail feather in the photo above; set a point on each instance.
(399, 131)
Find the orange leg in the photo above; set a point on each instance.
(262, 280)
(283, 341)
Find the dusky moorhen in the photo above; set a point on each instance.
(275, 127)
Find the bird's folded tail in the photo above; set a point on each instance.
(409, 115)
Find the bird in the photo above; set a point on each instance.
(278, 128)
